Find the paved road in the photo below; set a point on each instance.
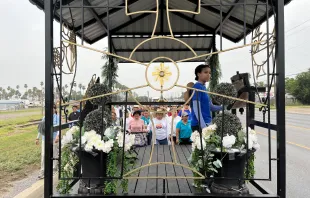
(297, 154)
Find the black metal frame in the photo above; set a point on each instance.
(280, 79)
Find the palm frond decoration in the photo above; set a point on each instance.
(109, 72)
(216, 72)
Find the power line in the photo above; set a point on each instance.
(298, 31)
(297, 26)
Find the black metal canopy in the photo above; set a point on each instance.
(197, 30)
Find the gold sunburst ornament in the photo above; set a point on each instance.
(161, 73)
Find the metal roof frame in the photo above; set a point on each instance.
(97, 18)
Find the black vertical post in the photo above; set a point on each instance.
(110, 47)
(124, 125)
(251, 113)
(162, 7)
(49, 99)
(280, 98)
(60, 91)
(212, 68)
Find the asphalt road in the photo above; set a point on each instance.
(297, 154)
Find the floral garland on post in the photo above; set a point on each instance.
(91, 142)
(211, 141)
(234, 138)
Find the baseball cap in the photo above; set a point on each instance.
(184, 114)
(136, 106)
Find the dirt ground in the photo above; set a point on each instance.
(8, 180)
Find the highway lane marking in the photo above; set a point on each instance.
(288, 142)
(298, 127)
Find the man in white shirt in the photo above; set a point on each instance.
(172, 126)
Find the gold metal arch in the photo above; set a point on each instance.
(179, 10)
(162, 37)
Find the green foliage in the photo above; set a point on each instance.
(96, 90)
(203, 161)
(231, 124)
(226, 89)
(251, 166)
(110, 186)
(299, 87)
(97, 119)
(109, 71)
(68, 166)
(113, 170)
(216, 72)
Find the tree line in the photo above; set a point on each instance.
(299, 87)
(37, 93)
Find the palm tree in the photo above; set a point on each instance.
(74, 85)
(80, 87)
(83, 88)
(26, 86)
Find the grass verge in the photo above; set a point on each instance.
(19, 155)
(21, 111)
(19, 120)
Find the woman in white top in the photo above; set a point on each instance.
(172, 126)
(128, 118)
(161, 132)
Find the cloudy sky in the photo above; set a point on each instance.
(22, 50)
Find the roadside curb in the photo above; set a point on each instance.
(36, 190)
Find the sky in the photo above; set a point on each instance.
(22, 51)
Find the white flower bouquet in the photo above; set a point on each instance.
(207, 145)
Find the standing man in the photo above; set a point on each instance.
(75, 114)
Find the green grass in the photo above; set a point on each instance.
(19, 120)
(19, 150)
(39, 110)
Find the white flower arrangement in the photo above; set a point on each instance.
(253, 141)
(129, 140)
(230, 143)
(91, 140)
(206, 134)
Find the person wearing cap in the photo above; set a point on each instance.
(184, 130)
(186, 109)
(160, 124)
(172, 125)
(201, 104)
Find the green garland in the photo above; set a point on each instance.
(216, 72)
(113, 168)
(110, 186)
(68, 164)
(251, 166)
